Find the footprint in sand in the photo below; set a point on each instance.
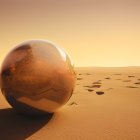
(130, 76)
(97, 82)
(99, 92)
(137, 83)
(90, 90)
(79, 78)
(94, 86)
(109, 89)
(72, 103)
(88, 74)
(127, 81)
(86, 86)
(80, 74)
(117, 74)
(108, 78)
(118, 79)
(131, 87)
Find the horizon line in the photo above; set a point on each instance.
(105, 66)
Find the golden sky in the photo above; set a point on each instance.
(93, 32)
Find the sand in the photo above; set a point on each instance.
(105, 106)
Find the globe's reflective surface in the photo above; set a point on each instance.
(37, 77)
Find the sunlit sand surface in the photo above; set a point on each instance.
(105, 106)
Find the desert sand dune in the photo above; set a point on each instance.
(109, 111)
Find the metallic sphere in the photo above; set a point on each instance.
(37, 77)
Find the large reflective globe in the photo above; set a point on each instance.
(37, 77)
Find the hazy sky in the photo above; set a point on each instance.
(93, 32)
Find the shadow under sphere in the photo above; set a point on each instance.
(16, 127)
